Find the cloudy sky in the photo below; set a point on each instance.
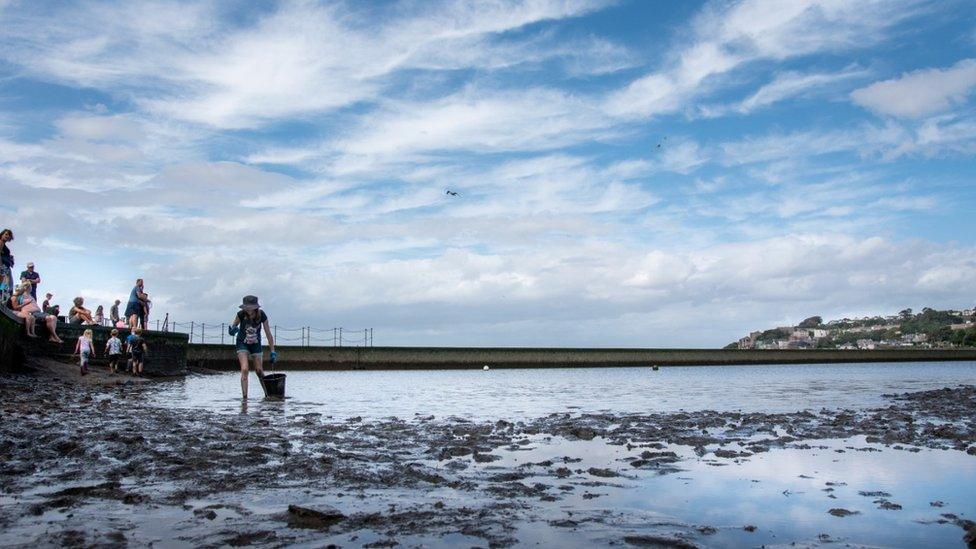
(629, 173)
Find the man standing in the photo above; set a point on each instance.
(30, 275)
(135, 310)
(114, 313)
(47, 303)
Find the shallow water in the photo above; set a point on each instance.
(196, 467)
(513, 393)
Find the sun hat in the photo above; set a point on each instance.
(250, 303)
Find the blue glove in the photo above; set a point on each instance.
(274, 357)
(232, 330)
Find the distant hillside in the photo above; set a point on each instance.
(929, 328)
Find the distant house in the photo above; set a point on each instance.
(868, 344)
(820, 333)
(914, 338)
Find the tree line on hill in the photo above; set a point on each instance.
(936, 326)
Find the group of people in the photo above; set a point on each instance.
(20, 296)
(135, 348)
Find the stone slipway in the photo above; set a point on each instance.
(166, 357)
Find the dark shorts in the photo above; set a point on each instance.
(134, 309)
(251, 349)
(114, 358)
(136, 355)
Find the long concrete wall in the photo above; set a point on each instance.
(221, 357)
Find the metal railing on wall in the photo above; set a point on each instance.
(303, 336)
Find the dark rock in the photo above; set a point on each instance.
(838, 512)
(208, 514)
(887, 505)
(252, 538)
(583, 433)
(749, 528)
(319, 517)
(659, 455)
(722, 453)
(605, 473)
(877, 494)
(661, 542)
(383, 543)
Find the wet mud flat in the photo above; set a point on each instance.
(101, 465)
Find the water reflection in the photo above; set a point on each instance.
(527, 393)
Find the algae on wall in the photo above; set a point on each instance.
(11, 353)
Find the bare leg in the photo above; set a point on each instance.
(133, 321)
(259, 369)
(29, 325)
(52, 324)
(242, 359)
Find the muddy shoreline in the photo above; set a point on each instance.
(90, 464)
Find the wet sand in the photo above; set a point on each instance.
(95, 463)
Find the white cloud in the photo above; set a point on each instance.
(681, 155)
(785, 85)
(920, 93)
(526, 120)
(729, 35)
(302, 58)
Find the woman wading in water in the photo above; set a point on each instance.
(247, 327)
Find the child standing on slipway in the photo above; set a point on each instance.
(85, 349)
(113, 348)
(138, 349)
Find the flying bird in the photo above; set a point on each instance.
(451, 193)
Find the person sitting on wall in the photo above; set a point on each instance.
(47, 302)
(99, 315)
(247, 326)
(27, 308)
(79, 314)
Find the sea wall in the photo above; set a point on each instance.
(221, 357)
(166, 356)
(12, 355)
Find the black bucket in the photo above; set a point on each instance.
(274, 385)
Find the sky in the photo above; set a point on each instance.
(628, 173)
